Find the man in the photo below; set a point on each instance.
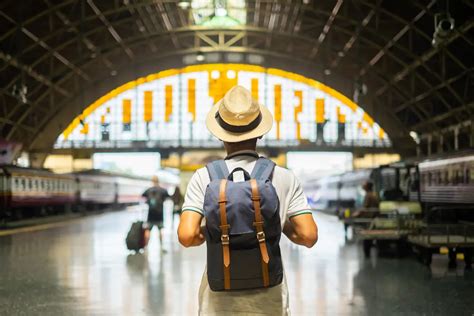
(239, 121)
(370, 204)
(177, 199)
(370, 199)
(155, 197)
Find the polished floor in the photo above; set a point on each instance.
(83, 268)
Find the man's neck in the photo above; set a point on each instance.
(231, 151)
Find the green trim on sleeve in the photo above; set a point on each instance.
(300, 213)
(192, 209)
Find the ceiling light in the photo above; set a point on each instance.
(221, 12)
(415, 136)
(215, 74)
(327, 71)
(231, 74)
(184, 5)
(200, 57)
(113, 73)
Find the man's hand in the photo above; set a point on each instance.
(302, 230)
(189, 229)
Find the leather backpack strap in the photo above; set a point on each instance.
(260, 233)
(224, 233)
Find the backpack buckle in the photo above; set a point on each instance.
(225, 239)
(261, 236)
(255, 197)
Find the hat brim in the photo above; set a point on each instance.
(213, 126)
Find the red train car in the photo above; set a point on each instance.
(27, 191)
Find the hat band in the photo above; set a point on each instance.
(238, 129)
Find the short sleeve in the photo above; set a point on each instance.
(194, 197)
(298, 202)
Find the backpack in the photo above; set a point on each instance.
(243, 228)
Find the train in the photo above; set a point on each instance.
(443, 185)
(31, 192)
(337, 193)
(446, 188)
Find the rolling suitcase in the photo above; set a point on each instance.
(137, 237)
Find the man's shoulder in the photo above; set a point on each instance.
(283, 172)
(200, 175)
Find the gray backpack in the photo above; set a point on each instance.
(243, 228)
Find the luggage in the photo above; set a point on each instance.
(243, 228)
(137, 237)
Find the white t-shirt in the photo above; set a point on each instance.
(293, 202)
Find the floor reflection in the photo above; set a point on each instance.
(84, 269)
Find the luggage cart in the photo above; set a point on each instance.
(456, 237)
(393, 224)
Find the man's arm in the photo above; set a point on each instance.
(189, 229)
(302, 230)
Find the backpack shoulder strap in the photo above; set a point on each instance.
(217, 170)
(263, 169)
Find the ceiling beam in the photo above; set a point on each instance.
(444, 116)
(348, 45)
(425, 57)
(326, 29)
(43, 44)
(88, 43)
(429, 92)
(110, 28)
(12, 61)
(374, 60)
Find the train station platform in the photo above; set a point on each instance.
(82, 267)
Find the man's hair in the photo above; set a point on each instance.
(369, 186)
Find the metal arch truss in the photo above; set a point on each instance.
(417, 90)
(192, 40)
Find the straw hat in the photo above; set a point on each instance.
(238, 117)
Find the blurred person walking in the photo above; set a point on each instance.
(155, 198)
(245, 212)
(178, 200)
(370, 199)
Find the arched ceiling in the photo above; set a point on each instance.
(71, 53)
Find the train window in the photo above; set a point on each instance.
(468, 176)
(454, 177)
(16, 183)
